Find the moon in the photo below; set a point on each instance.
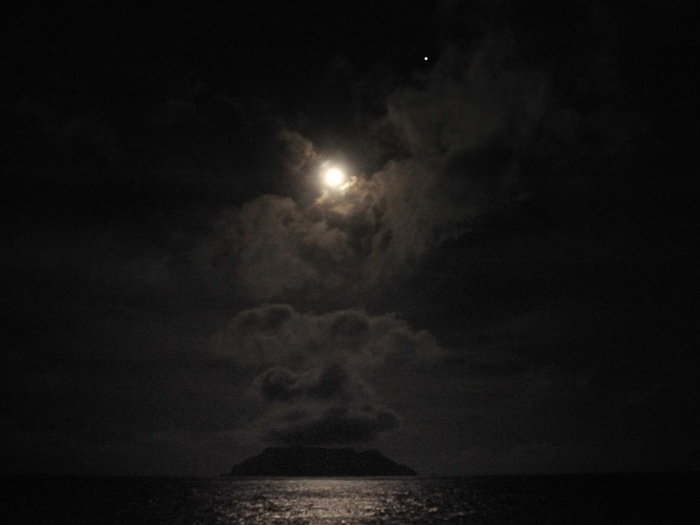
(334, 177)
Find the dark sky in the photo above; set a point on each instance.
(504, 286)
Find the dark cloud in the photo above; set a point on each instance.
(282, 384)
(271, 247)
(312, 376)
(39, 134)
(350, 324)
(100, 259)
(331, 383)
(298, 151)
(338, 426)
(269, 335)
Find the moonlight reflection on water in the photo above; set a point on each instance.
(322, 500)
(511, 500)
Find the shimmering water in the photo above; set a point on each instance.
(474, 500)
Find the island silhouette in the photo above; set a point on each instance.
(316, 461)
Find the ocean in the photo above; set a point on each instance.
(513, 500)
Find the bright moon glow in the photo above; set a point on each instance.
(334, 177)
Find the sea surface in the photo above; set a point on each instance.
(513, 500)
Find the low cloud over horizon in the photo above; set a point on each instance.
(312, 375)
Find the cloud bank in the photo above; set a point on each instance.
(311, 375)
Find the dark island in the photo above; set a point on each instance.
(312, 461)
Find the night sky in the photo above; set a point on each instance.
(503, 282)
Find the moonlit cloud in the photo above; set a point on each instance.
(371, 235)
(311, 375)
(456, 145)
(278, 335)
(272, 246)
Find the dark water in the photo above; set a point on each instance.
(595, 499)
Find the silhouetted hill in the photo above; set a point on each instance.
(312, 461)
